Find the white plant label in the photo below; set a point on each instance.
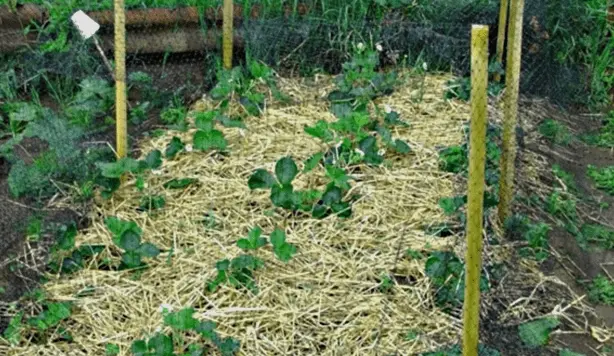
(85, 24)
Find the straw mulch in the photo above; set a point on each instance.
(325, 301)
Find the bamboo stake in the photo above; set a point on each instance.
(512, 70)
(120, 80)
(227, 28)
(501, 34)
(475, 189)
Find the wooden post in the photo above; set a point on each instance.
(120, 80)
(475, 189)
(227, 35)
(501, 35)
(512, 85)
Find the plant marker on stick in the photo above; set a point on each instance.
(87, 28)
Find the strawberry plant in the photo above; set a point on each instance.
(446, 272)
(239, 272)
(174, 147)
(207, 138)
(319, 204)
(41, 328)
(127, 236)
(181, 323)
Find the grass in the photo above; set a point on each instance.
(601, 290)
(603, 178)
(555, 132)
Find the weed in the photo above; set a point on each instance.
(127, 236)
(111, 350)
(601, 290)
(603, 178)
(555, 132)
(536, 236)
(595, 235)
(561, 205)
(152, 202)
(94, 99)
(537, 333)
(179, 183)
(175, 117)
(605, 136)
(565, 178)
(34, 229)
(414, 255)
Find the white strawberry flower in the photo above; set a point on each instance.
(188, 148)
(379, 47)
(387, 109)
(360, 46)
(360, 152)
(156, 172)
(425, 66)
(381, 152)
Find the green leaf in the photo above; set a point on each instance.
(119, 227)
(119, 168)
(129, 241)
(286, 170)
(451, 205)
(161, 344)
(131, 259)
(261, 179)
(312, 162)
(254, 240)
(174, 147)
(205, 120)
(229, 346)
(393, 119)
(139, 348)
(320, 211)
(182, 320)
(401, 146)
(210, 140)
(283, 250)
(179, 183)
(148, 250)
(230, 123)
(67, 235)
(111, 350)
(283, 196)
(154, 159)
(320, 130)
(152, 202)
(332, 195)
(338, 176)
(568, 352)
(537, 333)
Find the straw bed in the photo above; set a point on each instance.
(325, 301)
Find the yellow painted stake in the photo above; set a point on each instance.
(120, 80)
(512, 84)
(501, 35)
(227, 33)
(475, 189)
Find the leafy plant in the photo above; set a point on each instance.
(561, 204)
(239, 272)
(603, 178)
(460, 88)
(174, 147)
(207, 137)
(42, 326)
(446, 272)
(183, 322)
(127, 236)
(595, 235)
(537, 333)
(566, 178)
(536, 236)
(283, 195)
(175, 116)
(152, 202)
(555, 132)
(601, 290)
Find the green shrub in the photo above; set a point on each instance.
(603, 178)
(601, 290)
(555, 132)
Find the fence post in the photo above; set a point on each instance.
(512, 84)
(120, 80)
(227, 33)
(475, 189)
(501, 34)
